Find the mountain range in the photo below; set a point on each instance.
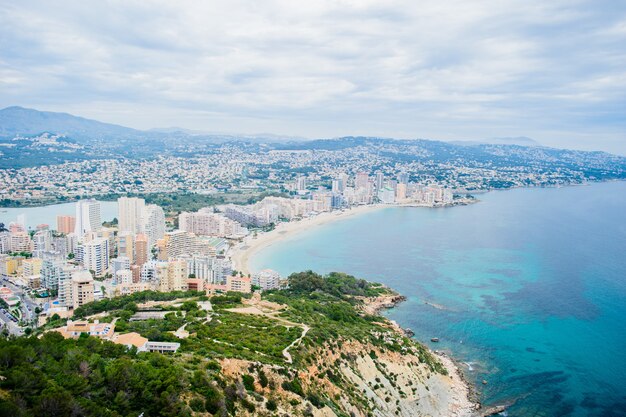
(32, 138)
(22, 121)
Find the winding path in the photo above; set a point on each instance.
(253, 309)
(286, 354)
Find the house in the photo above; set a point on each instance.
(73, 329)
(144, 345)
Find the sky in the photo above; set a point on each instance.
(553, 70)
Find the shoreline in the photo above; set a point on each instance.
(51, 201)
(465, 392)
(242, 252)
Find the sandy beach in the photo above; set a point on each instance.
(243, 251)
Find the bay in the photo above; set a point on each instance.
(527, 289)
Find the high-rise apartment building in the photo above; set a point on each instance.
(361, 180)
(166, 275)
(42, 242)
(266, 279)
(53, 271)
(82, 288)
(31, 267)
(339, 185)
(5, 242)
(401, 191)
(96, 256)
(87, 217)
(119, 263)
(153, 223)
(142, 250)
(130, 214)
(126, 245)
(20, 242)
(66, 224)
(206, 223)
(178, 243)
(380, 180)
(301, 183)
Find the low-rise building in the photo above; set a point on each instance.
(266, 279)
(73, 329)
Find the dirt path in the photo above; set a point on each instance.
(286, 354)
(254, 310)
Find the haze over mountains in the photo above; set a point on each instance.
(22, 121)
(17, 120)
(30, 137)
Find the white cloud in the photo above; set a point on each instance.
(465, 69)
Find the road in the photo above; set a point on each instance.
(27, 304)
(12, 327)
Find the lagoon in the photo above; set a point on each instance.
(48, 214)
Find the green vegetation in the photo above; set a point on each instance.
(337, 284)
(46, 375)
(328, 305)
(52, 376)
(119, 303)
(112, 223)
(23, 254)
(187, 201)
(241, 336)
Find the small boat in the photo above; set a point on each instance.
(434, 339)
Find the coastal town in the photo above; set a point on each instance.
(58, 268)
(313, 209)
(190, 166)
(59, 279)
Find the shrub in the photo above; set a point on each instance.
(248, 382)
(271, 405)
(293, 386)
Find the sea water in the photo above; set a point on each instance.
(526, 289)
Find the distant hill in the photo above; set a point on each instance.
(176, 129)
(19, 120)
(519, 141)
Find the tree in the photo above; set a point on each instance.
(248, 382)
(307, 281)
(54, 401)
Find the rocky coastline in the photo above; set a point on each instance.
(375, 305)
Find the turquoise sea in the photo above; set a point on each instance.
(526, 288)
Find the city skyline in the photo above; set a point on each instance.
(465, 71)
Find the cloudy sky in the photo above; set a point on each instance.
(469, 69)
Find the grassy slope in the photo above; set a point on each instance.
(91, 377)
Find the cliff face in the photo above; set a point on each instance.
(356, 379)
(348, 377)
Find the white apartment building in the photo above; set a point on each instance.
(153, 223)
(87, 217)
(207, 223)
(96, 256)
(130, 214)
(267, 279)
